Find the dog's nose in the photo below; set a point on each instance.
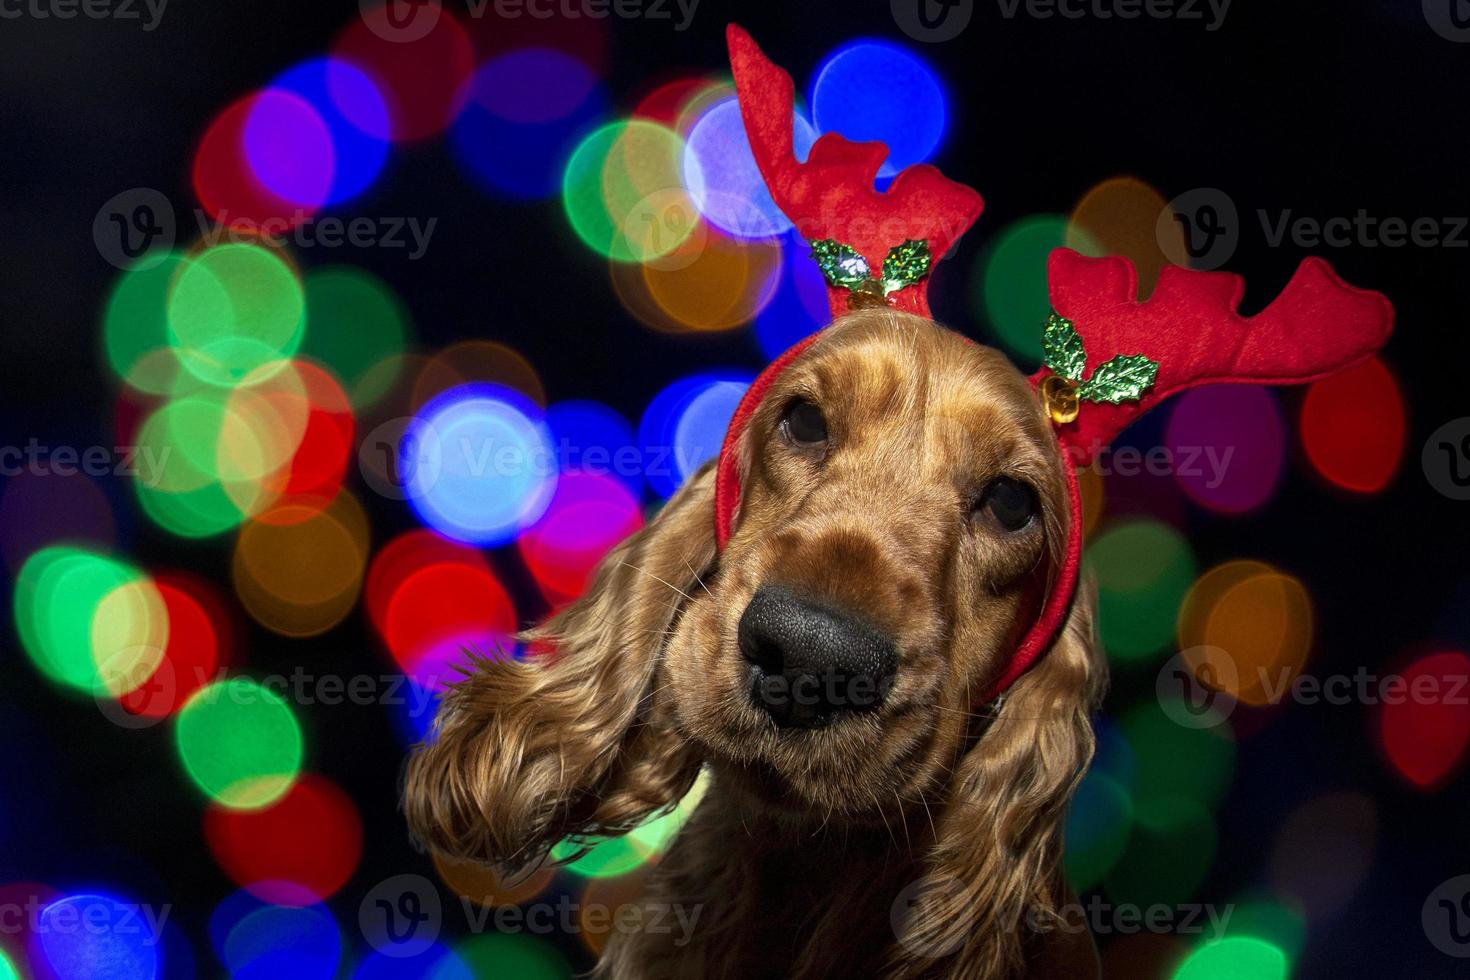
(812, 662)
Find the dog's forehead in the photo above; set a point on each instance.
(893, 366)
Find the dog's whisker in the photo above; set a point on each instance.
(644, 571)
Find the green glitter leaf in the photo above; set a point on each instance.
(1124, 378)
(906, 264)
(842, 265)
(1062, 346)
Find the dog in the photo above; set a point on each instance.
(902, 515)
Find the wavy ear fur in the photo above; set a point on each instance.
(572, 740)
(993, 883)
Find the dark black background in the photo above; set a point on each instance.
(1319, 108)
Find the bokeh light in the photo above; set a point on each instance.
(608, 857)
(512, 955)
(200, 642)
(1168, 856)
(89, 622)
(509, 154)
(1353, 427)
(1323, 852)
(710, 282)
(1143, 568)
(299, 850)
(90, 936)
(298, 566)
(1246, 629)
(1227, 445)
(476, 361)
(799, 306)
(723, 178)
(357, 324)
(1424, 725)
(37, 510)
(482, 885)
(588, 515)
(1235, 957)
(226, 184)
(240, 743)
(1010, 284)
(684, 426)
(623, 192)
(1098, 823)
(594, 437)
(272, 942)
(431, 601)
(135, 334)
(1120, 216)
(483, 466)
(422, 75)
(347, 103)
(1175, 762)
(235, 308)
(872, 90)
(289, 148)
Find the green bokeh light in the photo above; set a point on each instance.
(240, 743)
(57, 594)
(1009, 283)
(616, 173)
(509, 955)
(1172, 761)
(135, 334)
(180, 488)
(1268, 920)
(1098, 824)
(1144, 569)
(1168, 856)
(613, 856)
(7, 969)
(357, 323)
(1234, 958)
(234, 308)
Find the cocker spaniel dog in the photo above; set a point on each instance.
(901, 518)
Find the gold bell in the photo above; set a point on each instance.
(865, 294)
(1059, 397)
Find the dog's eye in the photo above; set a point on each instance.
(1011, 502)
(804, 425)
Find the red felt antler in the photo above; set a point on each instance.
(832, 194)
(1317, 326)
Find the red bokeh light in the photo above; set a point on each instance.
(200, 643)
(588, 515)
(1425, 727)
(297, 851)
(422, 67)
(226, 184)
(1353, 427)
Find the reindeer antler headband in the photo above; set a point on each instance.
(1108, 357)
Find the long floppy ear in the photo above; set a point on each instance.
(572, 740)
(993, 882)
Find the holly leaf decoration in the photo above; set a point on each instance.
(1062, 347)
(1123, 378)
(906, 264)
(841, 265)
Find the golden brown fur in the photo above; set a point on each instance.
(919, 840)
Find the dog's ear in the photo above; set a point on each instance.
(570, 740)
(993, 881)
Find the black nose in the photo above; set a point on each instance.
(812, 662)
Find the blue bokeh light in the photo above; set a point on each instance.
(800, 306)
(684, 426)
(90, 936)
(594, 438)
(873, 90)
(289, 148)
(483, 466)
(352, 108)
(723, 179)
(275, 942)
(523, 159)
(434, 963)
